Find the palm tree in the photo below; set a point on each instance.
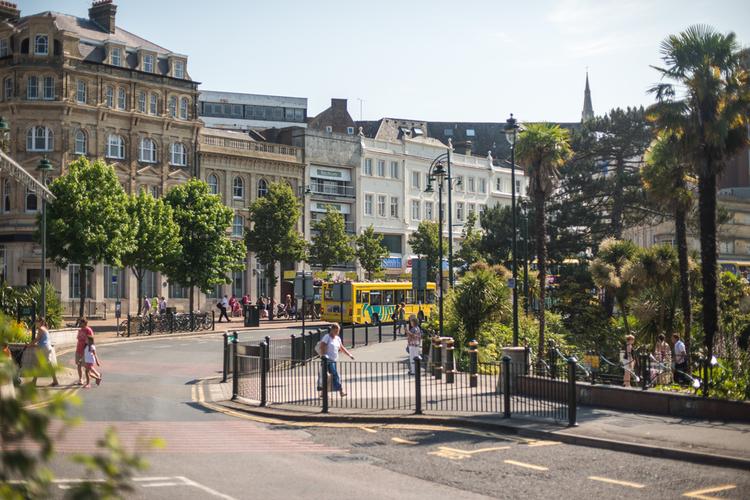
(665, 178)
(542, 148)
(612, 270)
(705, 97)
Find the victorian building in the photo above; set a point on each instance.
(74, 87)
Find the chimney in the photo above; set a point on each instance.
(338, 103)
(9, 11)
(102, 12)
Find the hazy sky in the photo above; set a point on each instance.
(475, 60)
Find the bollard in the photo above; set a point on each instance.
(438, 366)
(506, 386)
(354, 336)
(150, 324)
(526, 359)
(645, 371)
(418, 385)
(267, 352)
(473, 363)
(263, 372)
(367, 334)
(130, 321)
(552, 359)
(235, 370)
(225, 363)
(324, 381)
(380, 333)
(213, 320)
(572, 408)
(292, 350)
(450, 371)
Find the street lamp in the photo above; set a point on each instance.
(438, 173)
(303, 191)
(44, 167)
(511, 134)
(527, 300)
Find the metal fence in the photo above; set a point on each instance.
(167, 323)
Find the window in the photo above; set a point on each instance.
(415, 209)
(49, 88)
(238, 188)
(381, 205)
(109, 96)
(4, 51)
(415, 179)
(238, 283)
(142, 101)
(368, 204)
(213, 184)
(8, 88)
(115, 147)
(471, 185)
(368, 166)
(214, 292)
(147, 150)
(482, 208)
(81, 92)
(329, 129)
(448, 132)
(459, 183)
(499, 185)
(470, 132)
(114, 290)
(172, 107)
(518, 186)
(32, 88)
(116, 56)
(184, 103)
(262, 188)
(153, 106)
(179, 69)
(74, 282)
(80, 142)
(459, 211)
(428, 210)
(394, 206)
(726, 246)
(178, 154)
(482, 185)
(41, 45)
(39, 139)
(121, 98)
(350, 130)
(6, 196)
(394, 170)
(31, 201)
(148, 63)
(381, 168)
(238, 226)
(472, 208)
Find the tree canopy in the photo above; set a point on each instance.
(424, 242)
(370, 251)
(330, 244)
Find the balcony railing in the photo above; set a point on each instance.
(348, 226)
(250, 145)
(327, 189)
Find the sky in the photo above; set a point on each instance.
(476, 60)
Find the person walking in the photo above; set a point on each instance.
(223, 305)
(680, 359)
(413, 341)
(394, 318)
(663, 357)
(401, 317)
(146, 306)
(330, 345)
(162, 305)
(90, 357)
(44, 342)
(81, 340)
(628, 360)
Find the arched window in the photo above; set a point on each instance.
(31, 201)
(147, 150)
(80, 143)
(238, 188)
(41, 45)
(115, 147)
(262, 188)
(122, 98)
(172, 107)
(238, 226)
(178, 154)
(213, 184)
(39, 139)
(6, 195)
(184, 103)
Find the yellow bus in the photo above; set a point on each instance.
(374, 302)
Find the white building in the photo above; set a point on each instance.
(232, 110)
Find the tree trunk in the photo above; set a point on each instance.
(271, 288)
(139, 281)
(191, 295)
(81, 288)
(541, 255)
(624, 313)
(618, 201)
(682, 255)
(709, 256)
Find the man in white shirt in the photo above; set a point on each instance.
(330, 345)
(680, 359)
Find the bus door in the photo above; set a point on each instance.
(364, 301)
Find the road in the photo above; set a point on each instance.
(148, 391)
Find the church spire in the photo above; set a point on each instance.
(588, 108)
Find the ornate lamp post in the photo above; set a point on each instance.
(511, 134)
(438, 173)
(44, 167)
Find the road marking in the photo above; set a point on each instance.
(208, 490)
(160, 485)
(403, 441)
(367, 429)
(455, 454)
(65, 394)
(714, 489)
(534, 444)
(615, 481)
(525, 465)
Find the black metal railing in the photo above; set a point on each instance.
(150, 324)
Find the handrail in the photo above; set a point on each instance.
(22, 175)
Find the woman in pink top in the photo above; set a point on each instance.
(83, 333)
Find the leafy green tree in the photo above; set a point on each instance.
(705, 98)
(87, 222)
(206, 254)
(543, 148)
(497, 235)
(612, 271)
(370, 251)
(330, 245)
(471, 243)
(425, 242)
(157, 237)
(274, 236)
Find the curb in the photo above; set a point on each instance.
(563, 437)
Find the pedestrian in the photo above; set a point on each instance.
(413, 341)
(146, 306)
(680, 359)
(90, 357)
(223, 305)
(394, 318)
(663, 356)
(330, 345)
(83, 333)
(162, 305)
(401, 317)
(155, 303)
(628, 360)
(44, 342)
(245, 299)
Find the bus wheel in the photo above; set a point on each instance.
(375, 319)
(420, 316)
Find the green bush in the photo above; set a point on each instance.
(11, 298)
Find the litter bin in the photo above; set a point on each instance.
(252, 315)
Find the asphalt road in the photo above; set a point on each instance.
(148, 391)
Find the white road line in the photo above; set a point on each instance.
(525, 465)
(208, 490)
(617, 482)
(160, 485)
(144, 478)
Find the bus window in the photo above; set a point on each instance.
(399, 296)
(430, 296)
(365, 298)
(409, 297)
(388, 297)
(359, 296)
(375, 298)
(730, 268)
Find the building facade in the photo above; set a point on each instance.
(237, 111)
(76, 87)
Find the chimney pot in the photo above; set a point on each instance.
(103, 13)
(9, 11)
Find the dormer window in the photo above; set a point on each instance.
(179, 69)
(148, 63)
(41, 45)
(116, 56)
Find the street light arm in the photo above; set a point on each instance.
(20, 174)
